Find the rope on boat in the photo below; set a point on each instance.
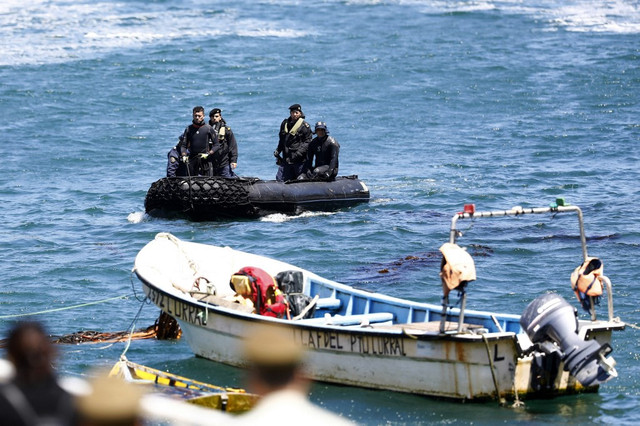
(192, 264)
(501, 400)
(307, 308)
(133, 323)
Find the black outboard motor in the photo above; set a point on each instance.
(549, 318)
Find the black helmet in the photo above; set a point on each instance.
(321, 125)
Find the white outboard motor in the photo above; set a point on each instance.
(549, 318)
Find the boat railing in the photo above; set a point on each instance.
(557, 207)
(607, 283)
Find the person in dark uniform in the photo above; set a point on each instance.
(33, 396)
(224, 151)
(324, 149)
(295, 136)
(195, 144)
(175, 167)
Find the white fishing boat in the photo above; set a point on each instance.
(373, 340)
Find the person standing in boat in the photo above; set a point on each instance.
(295, 136)
(195, 143)
(324, 149)
(224, 149)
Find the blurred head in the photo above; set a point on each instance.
(274, 359)
(111, 401)
(30, 351)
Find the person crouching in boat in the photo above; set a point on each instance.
(295, 136)
(325, 150)
(224, 148)
(194, 144)
(175, 167)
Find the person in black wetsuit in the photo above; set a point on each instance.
(195, 144)
(295, 136)
(325, 150)
(33, 396)
(224, 151)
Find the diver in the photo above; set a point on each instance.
(194, 145)
(325, 150)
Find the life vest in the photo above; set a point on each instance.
(586, 282)
(295, 127)
(258, 286)
(457, 268)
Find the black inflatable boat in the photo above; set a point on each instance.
(210, 198)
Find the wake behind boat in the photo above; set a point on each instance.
(373, 340)
(211, 198)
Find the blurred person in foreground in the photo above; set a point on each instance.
(275, 372)
(110, 402)
(33, 395)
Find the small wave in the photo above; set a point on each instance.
(137, 217)
(614, 16)
(281, 217)
(39, 32)
(618, 16)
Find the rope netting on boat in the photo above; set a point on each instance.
(191, 193)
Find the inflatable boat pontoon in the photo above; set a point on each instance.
(210, 198)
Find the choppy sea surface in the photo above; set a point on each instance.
(435, 104)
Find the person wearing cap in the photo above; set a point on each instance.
(276, 373)
(194, 144)
(295, 136)
(223, 154)
(324, 149)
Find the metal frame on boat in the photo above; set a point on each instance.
(360, 338)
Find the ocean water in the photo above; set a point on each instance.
(435, 104)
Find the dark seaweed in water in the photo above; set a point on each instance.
(413, 262)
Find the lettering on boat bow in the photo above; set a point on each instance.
(178, 309)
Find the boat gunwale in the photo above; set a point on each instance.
(369, 331)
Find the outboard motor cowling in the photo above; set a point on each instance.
(551, 318)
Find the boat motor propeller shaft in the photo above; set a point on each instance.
(551, 318)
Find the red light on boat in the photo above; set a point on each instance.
(470, 208)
